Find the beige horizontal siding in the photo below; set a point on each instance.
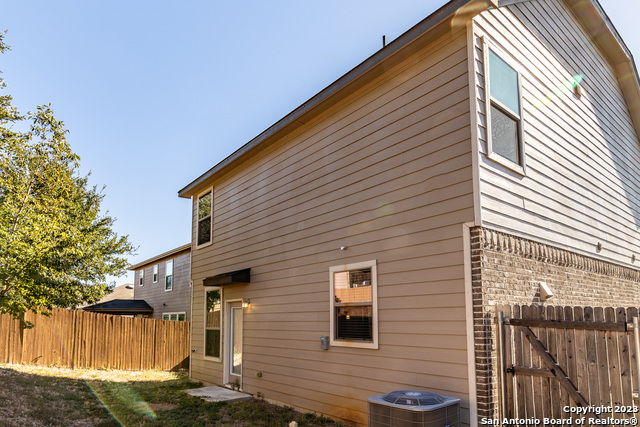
(582, 155)
(177, 300)
(387, 173)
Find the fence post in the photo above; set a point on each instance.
(636, 339)
(502, 394)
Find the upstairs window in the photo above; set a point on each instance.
(168, 279)
(141, 278)
(155, 273)
(354, 317)
(204, 208)
(504, 116)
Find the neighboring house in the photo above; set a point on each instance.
(164, 282)
(122, 307)
(122, 292)
(119, 292)
(484, 151)
(120, 301)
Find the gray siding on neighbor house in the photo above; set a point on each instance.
(385, 172)
(582, 179)
(177, 300)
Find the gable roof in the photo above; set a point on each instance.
(167, 254)
(604, 34)
(394, 52)
(119, 292)
(455, 12)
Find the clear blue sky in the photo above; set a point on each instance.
(154, 93)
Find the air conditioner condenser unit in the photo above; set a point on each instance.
(413, 408)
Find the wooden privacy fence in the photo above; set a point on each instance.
(552, 359)
(80, 339)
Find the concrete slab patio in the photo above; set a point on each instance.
(219, 394)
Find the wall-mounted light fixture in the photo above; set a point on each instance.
(545, 291)
(577, 90)
(246, 303)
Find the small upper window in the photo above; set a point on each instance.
(174, 316)
(155, 273)
(354, 317)
(141, 278)
(168, 278)
(504, 117)
(204, 218)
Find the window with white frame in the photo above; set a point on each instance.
(212, 322)
(141, 278)
(504, 117)
(155, 273)
(205, 209)
(354, 307)
(174, 316)
(168, 276)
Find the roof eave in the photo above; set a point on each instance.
(160, 256)
(606, 37)
(349, 82)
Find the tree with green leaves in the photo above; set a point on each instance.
(56, 248)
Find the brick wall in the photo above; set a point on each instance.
(508, 270)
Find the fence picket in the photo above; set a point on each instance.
(624, 352)
(614, 356)
(604, 364)
(582, 373)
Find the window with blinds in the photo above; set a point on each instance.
(353, 305)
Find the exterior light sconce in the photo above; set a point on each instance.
(633, 258)
(599, 246)
(545, 291)
(246, 303)
(577, 91)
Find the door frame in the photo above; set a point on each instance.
(228, 345)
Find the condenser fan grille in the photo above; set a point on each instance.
(413, 398)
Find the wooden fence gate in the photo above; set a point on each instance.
(555, 360)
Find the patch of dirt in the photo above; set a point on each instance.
(159, 407)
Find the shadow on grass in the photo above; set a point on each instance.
(30, 399)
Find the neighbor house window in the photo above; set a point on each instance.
(141, 278)
(212, 323)
(354, 317)
(204, 218)
(168, 278)
(504, 117)
(155, 273)
(174, 316)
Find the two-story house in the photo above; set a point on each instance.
(489, 149)
(164, 282)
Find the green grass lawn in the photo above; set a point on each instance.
(37, 396)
